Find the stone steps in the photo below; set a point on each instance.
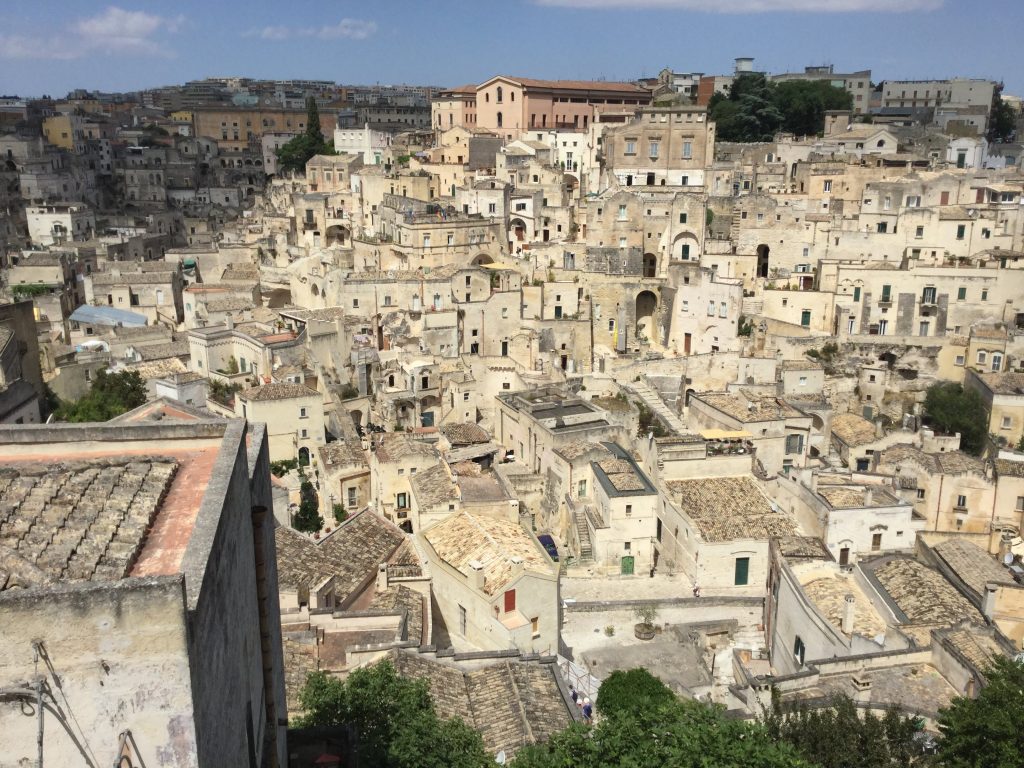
(652, 400)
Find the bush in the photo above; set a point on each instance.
(632, 691)
(950, 408)
(283, 467)
(308, 519)
(340, 515)
(111, 395)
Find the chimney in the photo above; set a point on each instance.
(1005, 544)
(517, 565)
(868, 496)
(476, 574)
(988, 601)
(229, 322)
(382, 577)
(849, 603)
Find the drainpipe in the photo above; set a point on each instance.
(938, 501)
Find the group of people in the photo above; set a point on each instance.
(583, 702)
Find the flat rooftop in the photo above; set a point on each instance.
(102, 504)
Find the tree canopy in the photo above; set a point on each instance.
(986, 732)
(951, 408)
(294, 155)
(110, 395)
(308, 519)
(755, 109)
(653, 732)
(637, 689)
(838, 737)
(1002, 120)
(393, 720)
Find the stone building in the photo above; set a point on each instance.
(153, 585)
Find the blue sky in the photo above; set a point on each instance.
(55, 45)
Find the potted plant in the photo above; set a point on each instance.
(645, 614)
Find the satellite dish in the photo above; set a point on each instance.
(500, 758)
(1008, 558)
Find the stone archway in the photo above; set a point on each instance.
(482, 258)
(646, 305)
(337, 235)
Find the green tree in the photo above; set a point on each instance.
(951, 408)
(632, 691)
(294, 155)
(308, 519)
(748, 112)
(110, 395)
(803, 104)
(986, 732)
(679, 734)
(1002, 120)
(836, 736)
(393, 720)
(340, 515)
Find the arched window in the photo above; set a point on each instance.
(498, 99)
(499, 120)
(881, 142)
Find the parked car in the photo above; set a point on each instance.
(549, 546)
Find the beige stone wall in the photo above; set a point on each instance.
(120, 655)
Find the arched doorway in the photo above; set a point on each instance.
(482, 259)
(337, 235)
(518, 229)
(303, 457)
(684, 247)
(646, 304)
(762, 260)
(650, 265)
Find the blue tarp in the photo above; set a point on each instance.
(107, 316)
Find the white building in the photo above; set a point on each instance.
(363, 141)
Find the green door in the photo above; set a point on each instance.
(627, 565)
(742, 571)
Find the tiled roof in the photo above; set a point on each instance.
(163, 351)
(577, 85)
(133, 278)
(400, 598)
(394, 446)
(351, 554)
(434, 486)
(1008, 468)
(749, 407)
(1004, 383)
(465, 433)
(281, 391)
(978, 648)
(829, 595)
(922, 594)
(77, 520)
(512, 703)
(940, 462)
(856, 496)
(852, 429)
(492, 542)
(729, 508)
(342, 453)
(579, 448)
(972, 564)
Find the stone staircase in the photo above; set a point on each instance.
(652, 400)
(586, 553)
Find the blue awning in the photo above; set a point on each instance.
(107, 316)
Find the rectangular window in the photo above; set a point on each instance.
(799, 651)
(856, 294)
(687, 150)
(961, 230)
(961, 293)
(961, 502)
(723, 309)
(805, 318)
(1020, 503)
(462, 621)
(919, 232)
(630, 147)
(876, 542)
(794, 444)
(581, 489)
(402, 501)
(923, 328)
(654, 148)
(960, 360)
(682, 218)
(302, 413)
(984, 294)
(882, 227)
(622, 213)
(352, 497)
(886, 293)
(920, 493)
(535, 626)
(741, 574)
(826, 186)
(629, 510)
(1005, 423)
(928, 296)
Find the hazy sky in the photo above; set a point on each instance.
(52, 46)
